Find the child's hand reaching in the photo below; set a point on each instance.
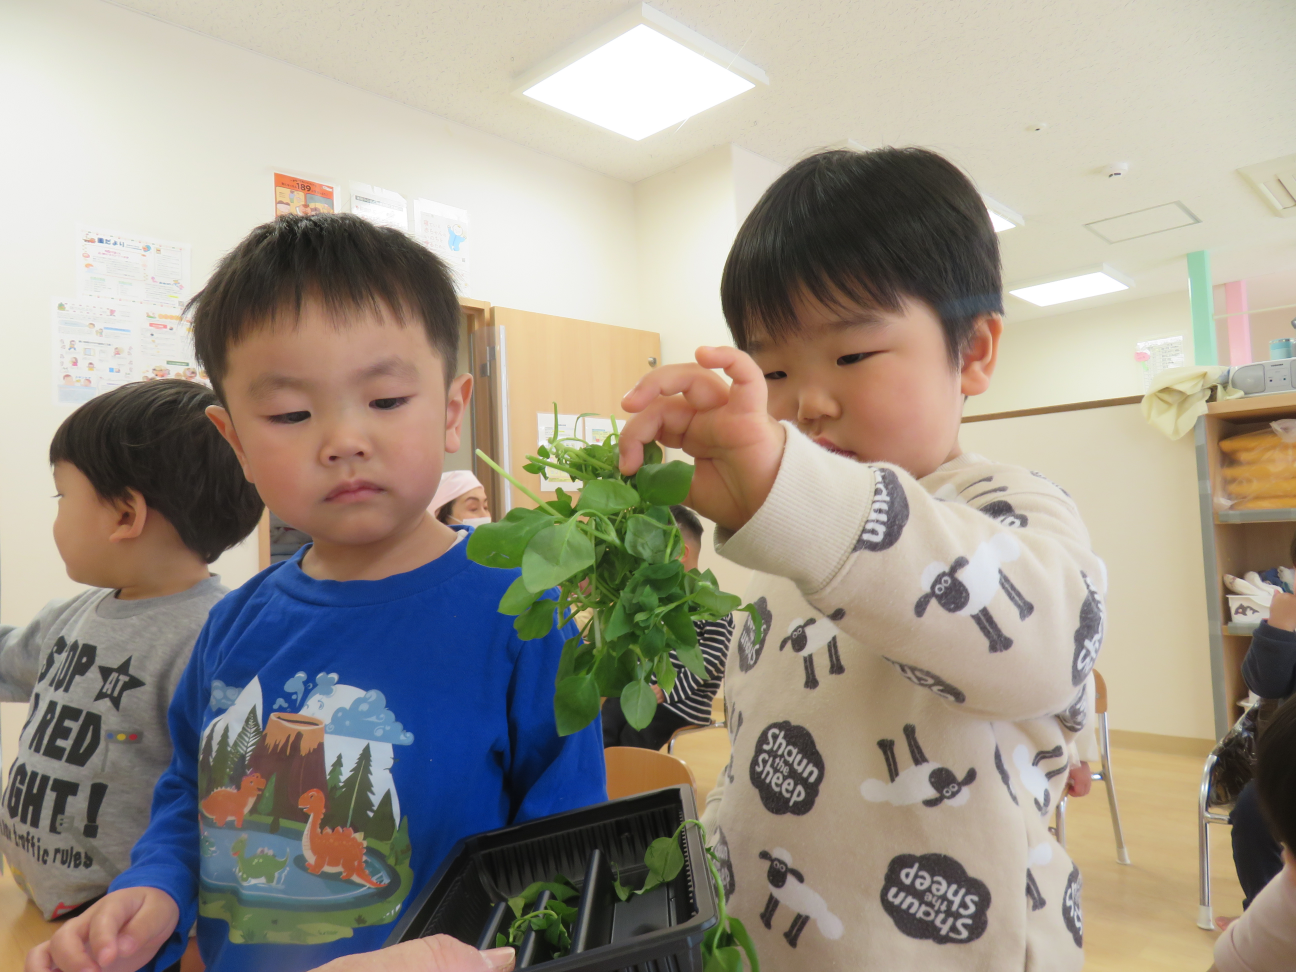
(119, 933)
(725, 427)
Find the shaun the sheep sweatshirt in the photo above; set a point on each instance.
(901, 727)
(332, 742)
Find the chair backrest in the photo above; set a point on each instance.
(631, 770)
(1100, 694)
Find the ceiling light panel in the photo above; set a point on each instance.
(1143, 222)
(1001, 217)
(1077, 286)
(640, 74)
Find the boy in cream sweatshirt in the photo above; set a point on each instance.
(902, 725)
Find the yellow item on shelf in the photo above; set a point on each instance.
(1268, 503)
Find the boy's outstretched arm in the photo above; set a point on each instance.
(998, 619)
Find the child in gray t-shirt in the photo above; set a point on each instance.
(149, 495)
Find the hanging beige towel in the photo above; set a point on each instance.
(1179, 395)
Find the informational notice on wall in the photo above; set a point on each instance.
(380, 206)
(444, 230)
(302, 197)
(1154, 357)
(568, 425)
(101, 343)
(122, 265)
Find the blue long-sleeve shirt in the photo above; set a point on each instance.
(332, 742)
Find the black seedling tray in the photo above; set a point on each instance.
(660, 931)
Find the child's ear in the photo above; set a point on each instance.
(220, 418)
(458, 398)
(981, 355)
(132, 514)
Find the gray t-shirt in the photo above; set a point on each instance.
(100, 673)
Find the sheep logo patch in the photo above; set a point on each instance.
(724, 865)
(806, 640)
(929, 680)
(1075, 716)
(1035, 779)
(921, 783)
(888, 514)
(971, 593)
(787, 886)
(787, 769)
(1089, 634)
(1071, 915)
(933, 898)
(749, 649)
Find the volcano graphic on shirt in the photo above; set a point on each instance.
(300, 813)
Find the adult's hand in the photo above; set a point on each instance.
(439, 953)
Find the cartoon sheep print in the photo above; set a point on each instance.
(971, 593)
(787, 886)
(920, 783)
(809, 636)
(1035, 779)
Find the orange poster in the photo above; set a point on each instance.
(301, 197)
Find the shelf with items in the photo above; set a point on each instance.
(1235, 541)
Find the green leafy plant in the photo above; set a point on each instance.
(612, 551)
(554, 920)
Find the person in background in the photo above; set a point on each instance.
(689, 702)
(148, 495)
(1269, 669)
(461, 499)
(1264, 938)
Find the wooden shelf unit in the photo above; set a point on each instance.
(1234, 542)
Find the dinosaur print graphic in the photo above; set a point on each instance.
(329, 849)
(259, 868)
(228, 803)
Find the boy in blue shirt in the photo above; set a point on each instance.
(348, 714)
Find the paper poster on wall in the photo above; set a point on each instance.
(302, 197)
(380, 206)
(551, 479)
(444, 231)
(596, 429)
(121, 265)
(99, 344)
(1156, 356)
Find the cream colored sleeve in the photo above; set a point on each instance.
(998, 613)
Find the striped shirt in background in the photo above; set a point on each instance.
(691, 697)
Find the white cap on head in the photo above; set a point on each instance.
(453, 485)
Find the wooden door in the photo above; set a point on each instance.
(542, 360)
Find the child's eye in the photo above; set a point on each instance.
(387, 404)
(850, 359)
(289, 418)
(775, 375)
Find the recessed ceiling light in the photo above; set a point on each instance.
(1075, 286)
(1001, 217)
(639, 74)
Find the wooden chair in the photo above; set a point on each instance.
(631, 770)
(717, 722)
(1104, 776)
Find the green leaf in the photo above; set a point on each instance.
(652, 454)
(664, 484)
(517, 904)
(664, 859)
(575, 653)
(691, 656)
(612, 673)
(638, 703)
(576, 703)
(621, 890)
(716, 602)
(607, 496)
(743, 938)
(758, 623)
(665, 673)
(727, 959)
(537, 620)
(653, 642)
(502, 544)
(680, 625)
(517, 598)
(647, 539)
(501, 940)
(619, 624)
(556, 553)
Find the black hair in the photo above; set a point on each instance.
(1276, 773)
(339, 259)
(870, 228)
(1292, 551)
(155, 437)
(688, 523)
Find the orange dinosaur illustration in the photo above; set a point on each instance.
(227, 802)
(332, 848)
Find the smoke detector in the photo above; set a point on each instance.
(1115, 170)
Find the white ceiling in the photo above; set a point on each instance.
(1185, 91)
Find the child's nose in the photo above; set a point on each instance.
(816, 403)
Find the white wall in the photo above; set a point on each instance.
(1081, 356)
(112, 118)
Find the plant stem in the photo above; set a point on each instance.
(539, 502)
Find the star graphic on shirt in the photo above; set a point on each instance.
(116, 682)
